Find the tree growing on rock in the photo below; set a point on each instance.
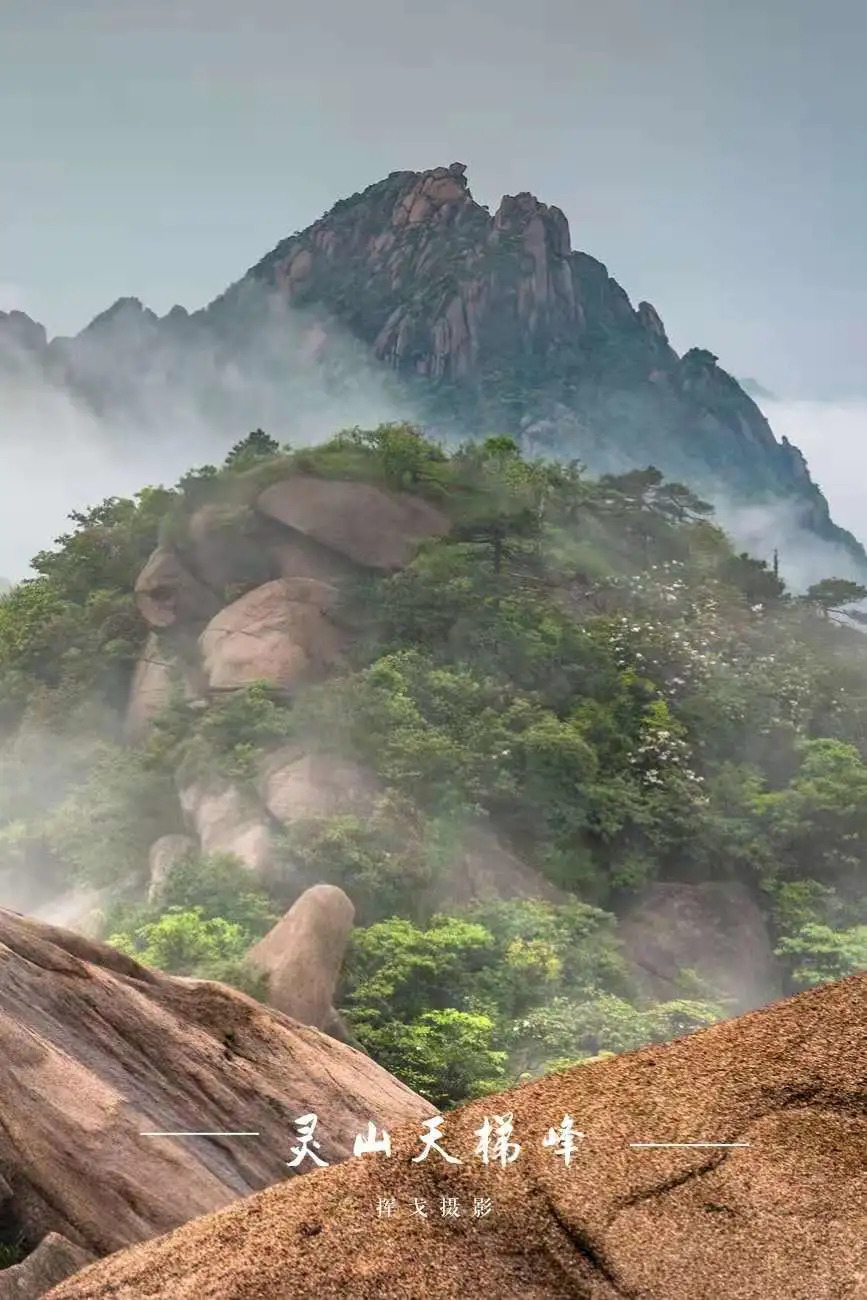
(832, 595)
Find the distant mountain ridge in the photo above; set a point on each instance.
(476, 322)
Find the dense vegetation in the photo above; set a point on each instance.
(585, 667)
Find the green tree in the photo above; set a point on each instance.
(816, 827)
(816, 954)
(446, 1056)
(186, 942)
(249, 451)
(105, 825)
(834, 594)
(753, 578)
(220, 887)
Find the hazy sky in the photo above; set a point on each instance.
(711, 152)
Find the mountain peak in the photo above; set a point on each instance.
(487, 321)
(126, 310)
(19, 331)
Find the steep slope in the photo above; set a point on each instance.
(509, 328)
(412, 298)
(97, 1050)
(783, 1217)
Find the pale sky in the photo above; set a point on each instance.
(710, 152)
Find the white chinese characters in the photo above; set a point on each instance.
(496, 1142)
(306, 1126)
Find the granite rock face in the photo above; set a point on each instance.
(96, 1050)
(227, 819)
(54, 1259)
(509, 325)
(361, 522)
(468, 319)
(782, 1217)
(279, 632)
(714, 930)
(303, 954)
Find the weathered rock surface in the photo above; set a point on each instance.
(481, 868)
(158, 670)
(441, 301)
(96, 1050)
(437, 286)
(296, 556)
(714, 929)
(167, 593)
(226, 821)
(228, 546)
(279, 633)
(164, 854)
(295, 785)
(54, 1259)
(364, 523)
(150, 690)
(783, 1218)
(303, 953)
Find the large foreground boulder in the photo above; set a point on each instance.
(783, 1217)
(96, 1052)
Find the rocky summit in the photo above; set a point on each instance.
(780, 1212)
(412, 298)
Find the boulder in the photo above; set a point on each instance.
(98, 1052)
(715, 930)
(336, 1027)
(297, 556)
(54, 1259)
(480, 868)
(295, 785)
(783, 1217)
(369, 525)
(153, 682)
(164, 854)
(150, 690)
(303, 953)
(167, 593)
(279, 633)
(226, 821)
(228, 546)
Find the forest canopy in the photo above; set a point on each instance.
(586, 668)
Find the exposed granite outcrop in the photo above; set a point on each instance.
(96, 1050)
(783, 1217)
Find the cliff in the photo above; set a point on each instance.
(507, 327)
(413, 298)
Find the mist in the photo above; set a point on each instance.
(137, 400)
(833, 438)
(159, 396)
